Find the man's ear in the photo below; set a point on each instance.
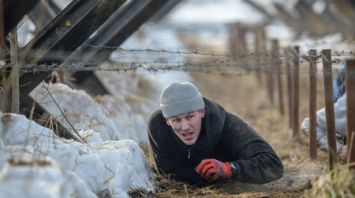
(167, 121)
(202, 111)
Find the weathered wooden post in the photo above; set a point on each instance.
(350, 109)
(265, 65)
(15, 96)
(241, 43)
(351, 156)
(232, 41)
(295, 92)
(289, 87)
(238, 44)
(329, 106)
(2, 29)
(241, 48)
(2, 54)
(257, 56)
(312, 104)
(270, 79)
(276, 61)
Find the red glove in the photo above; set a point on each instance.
(213, 170)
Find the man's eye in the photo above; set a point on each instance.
(190, 116)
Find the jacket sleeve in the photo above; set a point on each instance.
(255, 160)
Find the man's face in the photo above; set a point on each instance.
(187, 126)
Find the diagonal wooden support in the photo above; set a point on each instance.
(61, 37)
(164, 10)
(70, 29)
(116, 30)
(112, 34)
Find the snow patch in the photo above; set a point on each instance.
(116, 166)
(78, 108)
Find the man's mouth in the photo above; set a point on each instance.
(188, 135)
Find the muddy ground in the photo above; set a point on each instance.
(244, 96)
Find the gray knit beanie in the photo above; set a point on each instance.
(180, 97)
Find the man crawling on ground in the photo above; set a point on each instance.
(197, 141)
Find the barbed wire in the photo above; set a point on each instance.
(194, 61)
(203, 67)
(63, 114)
(197, 52)
(169, 51)
(33, 54)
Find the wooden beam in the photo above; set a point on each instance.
(350, 106)
(329, 106)
(312, 104)
(113, 33)
(61, 37)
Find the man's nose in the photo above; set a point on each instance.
(185, 125)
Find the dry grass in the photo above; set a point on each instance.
(337, 183)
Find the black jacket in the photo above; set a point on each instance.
(223, 136)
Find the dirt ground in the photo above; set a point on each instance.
(244, 96)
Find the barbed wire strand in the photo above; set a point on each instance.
(63, 114)
(213, 66)
(216, 62)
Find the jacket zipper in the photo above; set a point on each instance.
(188, 153)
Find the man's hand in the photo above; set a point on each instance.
(214, 170)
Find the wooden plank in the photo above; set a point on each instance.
(277, 63)
(2, 29)
(289, 88)
(257, 56)
(113, 33)
(350, 107)
(351, 156)
(62, 37)
(312, 104)
(3, 97)
(329, 106)
(295, 92)
(164, 10)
